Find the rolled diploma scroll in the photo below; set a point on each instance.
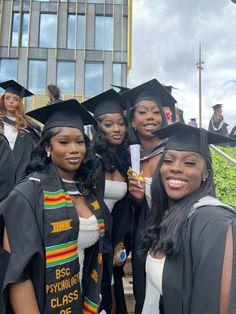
(135, 157)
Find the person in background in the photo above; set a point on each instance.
(217, 123)
(193, 122)
(168, 114)
(21, 131)
(110, 144)
(59, 208)
(179, 114)
(188, 240)
(7, 174)
(146, 116)
(169, 109)
(53, 93)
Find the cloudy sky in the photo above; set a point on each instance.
(166, 36)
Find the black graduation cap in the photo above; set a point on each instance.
(13, 87)
(151, 90)
(68, 113)
(169, 88)
(122, 89)
(184, 137)
(217, 106)
(106, 102)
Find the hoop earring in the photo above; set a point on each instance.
(48, 154)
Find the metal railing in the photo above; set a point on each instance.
(219, 151)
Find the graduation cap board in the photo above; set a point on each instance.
(15, 88)
(68, 113)
(184, 137)
(151, 90)
(122, 89)
(217, 106)
(107, 102)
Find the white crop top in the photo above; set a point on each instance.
(114, 191)
(154, 271)
(88, 236)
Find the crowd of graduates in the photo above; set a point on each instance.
(73, 207)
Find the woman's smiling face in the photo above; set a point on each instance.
(182, 173)
(113, 127)
(147, 118)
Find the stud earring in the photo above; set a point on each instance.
(48, 154)
(204, 179)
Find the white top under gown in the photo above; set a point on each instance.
(114, 191)
(154, 274)
(10, 132)
(88, 236)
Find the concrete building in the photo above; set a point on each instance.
(82, 46)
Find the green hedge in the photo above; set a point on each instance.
(225, 175)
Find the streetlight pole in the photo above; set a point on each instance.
(200, 68)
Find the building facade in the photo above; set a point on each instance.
(82, 46)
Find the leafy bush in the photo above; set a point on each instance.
(225, 175)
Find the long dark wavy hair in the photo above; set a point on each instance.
(164, 228)
(111, 161)
(131, 133)
(88, 173)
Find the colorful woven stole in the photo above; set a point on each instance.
(61, 225)
(91, 297)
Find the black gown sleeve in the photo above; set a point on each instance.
(208, 237)
(7, 174)
(27, 255)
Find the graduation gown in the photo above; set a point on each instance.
(141, 214)
(7, 175)
(122, 224)
(191, 281)
(138, 260)
(25, 143)
(34, 256)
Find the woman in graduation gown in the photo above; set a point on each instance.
(190, 236)
(110, 144)
(7, 174)
(42, 218)
(22, 133)
(146, 115)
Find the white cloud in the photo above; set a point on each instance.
(166, 36)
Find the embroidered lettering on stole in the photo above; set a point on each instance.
(61, 225)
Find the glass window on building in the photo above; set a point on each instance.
(37, 76)
(8, 70)
(71, 31)
(48, 28)
(96, 1)
(117, 74)
(15, 29)
(25, 29)
(103, 33)
(93, 79)
(66, 77)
